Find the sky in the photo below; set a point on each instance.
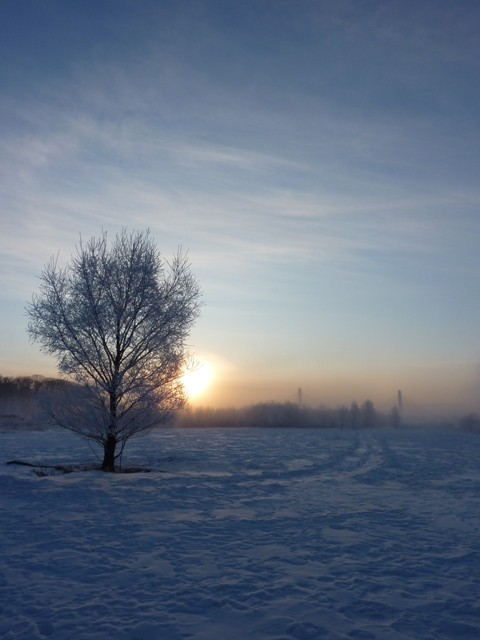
(319, 161)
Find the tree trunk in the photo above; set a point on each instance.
(109, 445)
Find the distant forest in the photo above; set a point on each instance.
(19, 399)
(26, 386)
(19, 404)
(289, 414)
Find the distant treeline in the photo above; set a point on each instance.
(19, 395)
(22, 392)
(26, 387)
(289, 414)
(19, 399)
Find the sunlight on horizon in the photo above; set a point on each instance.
(197, 380)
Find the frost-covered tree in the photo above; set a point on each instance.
(116, 319)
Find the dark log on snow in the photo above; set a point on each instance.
(57, 467)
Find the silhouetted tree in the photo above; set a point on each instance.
(354, 415)
(368, 414)
(116, 319)
(470, 422)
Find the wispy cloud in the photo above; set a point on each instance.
(235, 204)
(200, 154)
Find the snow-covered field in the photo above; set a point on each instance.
(247, 534)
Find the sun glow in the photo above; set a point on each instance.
(196, 380)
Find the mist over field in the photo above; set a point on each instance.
(22, 401)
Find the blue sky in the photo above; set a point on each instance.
(319, 160)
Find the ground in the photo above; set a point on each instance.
(245, 533)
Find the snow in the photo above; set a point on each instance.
(245, 533)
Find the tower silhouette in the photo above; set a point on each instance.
(299, 396)
(399, 401)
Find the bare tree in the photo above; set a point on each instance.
(116, 319)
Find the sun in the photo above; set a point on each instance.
(196, 380)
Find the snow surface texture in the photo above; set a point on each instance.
(249, 534)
